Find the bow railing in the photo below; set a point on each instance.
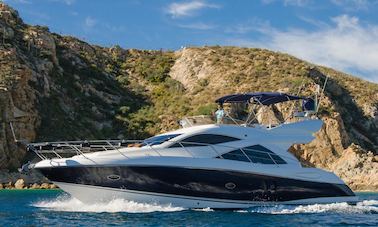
(66, 149)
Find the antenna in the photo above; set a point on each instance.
(17, 141)
(14, 135)
(321, 94)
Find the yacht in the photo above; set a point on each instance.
(229, 164)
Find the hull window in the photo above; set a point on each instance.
(230, 185)
(204, 140)
(113, 177)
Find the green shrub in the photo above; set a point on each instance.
(207, 109)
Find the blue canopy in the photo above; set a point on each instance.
(265, 98)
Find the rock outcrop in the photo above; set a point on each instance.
(14, 180)
(54, 87)
(348, 106)
(50, 84)
(20, 184)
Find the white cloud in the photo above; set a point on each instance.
(352, 5)
(344, 44)
(66, 2)
(251, 25)
(113, 28)
(289, 2)
(314, 22)
(296, 2)
(189, 8)
(267, 1)
(197, 26)
(69, 2)
(89, 22)
(18, 1)
(74, 13)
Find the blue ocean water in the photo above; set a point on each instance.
(55, 208)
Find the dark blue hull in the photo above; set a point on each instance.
(216, 184)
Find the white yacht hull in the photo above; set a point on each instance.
(205, 175)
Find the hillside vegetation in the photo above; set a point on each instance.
(56, 87)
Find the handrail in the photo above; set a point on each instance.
(229, 120)
(114, 148)
(77, 147)
(186, 149)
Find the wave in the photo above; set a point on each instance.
(366, 206)
(369, 202)
(207, 209)
(69, 204)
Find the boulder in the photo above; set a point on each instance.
(6, 33)
(45, 186)
(9, 15)
(43, 41)
(1, 186)
(20, 183)
(35, 186)
(266, 116)
(8, 185)
(358, 168)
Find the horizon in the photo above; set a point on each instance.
(337, 34)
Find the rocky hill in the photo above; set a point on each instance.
(55, 87)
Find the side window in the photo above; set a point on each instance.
(260, 154)
(204, 139)
(235, 155)
(278, 159)
(155, 140)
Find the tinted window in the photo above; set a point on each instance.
(278, 159)
(204, 139)
(158, 139)
(260, 154)
(235, 155)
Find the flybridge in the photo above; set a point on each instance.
(266, 98)
(251, 102)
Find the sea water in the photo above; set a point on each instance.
(55, 208)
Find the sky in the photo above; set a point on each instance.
(342, 34)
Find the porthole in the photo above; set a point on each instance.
(113, 177)
(230, 185)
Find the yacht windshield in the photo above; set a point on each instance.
(155, 140)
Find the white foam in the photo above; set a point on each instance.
(207, 209)
(241, 211)
(366, 206)
(69, 204)
(369, 202)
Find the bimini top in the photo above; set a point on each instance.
(265, 98)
